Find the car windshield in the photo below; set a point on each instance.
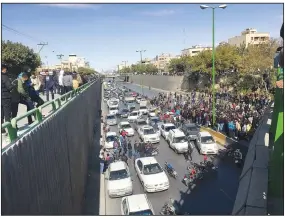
(148, 131)
(134, 114)
(110, 117)
(113, 109)
(192, 128)
(142, 213)
(114, 102)
(141, 123)
(142, 107)
(155, 119)
(169, 128)
(130, 101)
(119, 174)
(207, 140)
(179, 139)
(152, 169)
(126, 126)
(110, 138)
(125, 110)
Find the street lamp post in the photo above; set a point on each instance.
(141, 51)
(213, 58)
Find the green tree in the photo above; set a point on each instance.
(19, 57)
(86, 71)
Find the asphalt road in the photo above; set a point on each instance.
(213, 196)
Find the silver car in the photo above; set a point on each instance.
(111, 119)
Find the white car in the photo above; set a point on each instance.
(165, 128)
(177, 141)
(136, 205)
(138, 99)
(143, 110)
(127, 127)
(111, 119)
(206, 144)
(152, 176)
(109, 140)
(113, 110)
(153, 119)
(119, 180)
(134, 115)
(147, 134)
(113, 102)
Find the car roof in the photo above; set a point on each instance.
(139, 120)
(138, 202)
(147, 127)
(177, 132)
(169, 124)
(148, 160)
(124, 122)
(135, 111)
(190, 125)
(111, 133)
(205, 134)
(119, 165)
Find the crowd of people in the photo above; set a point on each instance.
(236, 115)
(26, 89)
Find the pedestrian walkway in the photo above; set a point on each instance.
(23, 124)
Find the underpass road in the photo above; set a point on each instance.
(213, 196)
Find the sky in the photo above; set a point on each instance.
(107, 34)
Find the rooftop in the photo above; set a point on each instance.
(138, 202)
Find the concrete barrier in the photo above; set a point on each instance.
(45, 171)
(170, 83)
(251, 198)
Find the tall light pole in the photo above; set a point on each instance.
(141, 51)
(213, 58)
(125, 62)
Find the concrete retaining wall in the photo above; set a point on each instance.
(45, 172)
(170, 83)
(251, 198)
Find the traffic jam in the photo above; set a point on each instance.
(136, 136)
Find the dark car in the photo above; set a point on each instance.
(123, 113)
(191, 130)
(138, 123)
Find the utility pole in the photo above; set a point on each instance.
(60, 58)
(141, 51)
(118, 69)
(125, 63)
(42, 44)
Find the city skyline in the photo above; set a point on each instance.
(108, 34)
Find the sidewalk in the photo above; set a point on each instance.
(23, 124)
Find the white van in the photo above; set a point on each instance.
(177, 141)
(206, 143)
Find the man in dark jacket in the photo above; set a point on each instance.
(6, 88)
(49, 84)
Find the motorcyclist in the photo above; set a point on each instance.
(237, 154)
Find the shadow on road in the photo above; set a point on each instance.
(214, 194)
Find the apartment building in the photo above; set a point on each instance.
(161, 61)
(194, 50)
(249, 36)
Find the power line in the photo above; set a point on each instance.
(20, 33)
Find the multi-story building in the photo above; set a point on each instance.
(161, 61)
(249, 36)
(194, 50)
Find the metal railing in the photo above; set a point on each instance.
(57, 103)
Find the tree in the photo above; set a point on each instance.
(19, 57)
(144, 68)
(86, 71)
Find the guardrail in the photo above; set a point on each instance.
(37, 112)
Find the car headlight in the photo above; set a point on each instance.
(149, 186)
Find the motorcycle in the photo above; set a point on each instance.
(169, 208)
(238, 157)
(170, 170)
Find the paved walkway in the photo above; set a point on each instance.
(23, 124)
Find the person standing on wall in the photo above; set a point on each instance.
(6, 98)
(49, 85)
(67, 82)
(60, 77)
